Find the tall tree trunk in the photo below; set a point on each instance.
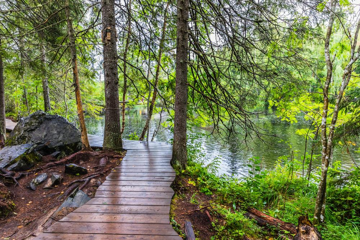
(125, 68)
(157, 74)
(72, 46)
(22, 71)
(158, 126)
(179, 156)
(2, 100)
(325, 159)
(313, 144)
(45, 82)
(327, 141)
(112, 133)
(149, 85)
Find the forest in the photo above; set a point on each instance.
(255, 103)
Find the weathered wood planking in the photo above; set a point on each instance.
(63, 236)
(10, 125)
(133, 202)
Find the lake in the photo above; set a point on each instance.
(234, 154)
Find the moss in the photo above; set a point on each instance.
(6, 204)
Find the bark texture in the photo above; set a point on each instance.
(125, 68)
(157, 74)
(80, 112)
(2, 100)
(327, 139)
(22, 72)
(265, 220)
(306, 230)
(112, 134)
(45, 81)
(179, 156)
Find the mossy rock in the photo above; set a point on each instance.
(49, 133)
(18, 157)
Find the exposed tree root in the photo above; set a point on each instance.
(12, 175)
(64, 160)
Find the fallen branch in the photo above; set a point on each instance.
(264, 220)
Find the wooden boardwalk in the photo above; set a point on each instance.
(133, 202)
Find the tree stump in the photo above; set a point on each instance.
(306, 230)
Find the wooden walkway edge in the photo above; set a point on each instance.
(133, 202)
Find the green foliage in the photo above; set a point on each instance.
(133, 136)
(282, 193)
(236, 224)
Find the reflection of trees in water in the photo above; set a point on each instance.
(135, 121)
(233, 152)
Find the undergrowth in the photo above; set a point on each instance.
(281, 193)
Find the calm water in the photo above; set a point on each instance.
(234, 154)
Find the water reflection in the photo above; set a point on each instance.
(234, 154)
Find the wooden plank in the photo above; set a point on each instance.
(125, 178)
(144, 168)
(63, 236)
(135, 188)
(146, 195)
(124, 209)
(136, 183)
(118, 218)
(113, 228)
(150, 153)
(145, 164)
(10, 125)
(133, 203)
(153, 155)
(146, 159)
(141, 174)
(130, 201)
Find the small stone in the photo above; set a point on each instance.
(37, 181)
(95, 182)
(75, 169)
(56, 154)
(54, 180)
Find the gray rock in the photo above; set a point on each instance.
(37, 181)
(19, 157)
(75, 169)
(55, 179)
(56, 154)
(49, 133)
(76, 199)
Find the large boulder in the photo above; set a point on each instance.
(18, 158)
(48, 133)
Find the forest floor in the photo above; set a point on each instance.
(191, 205)
(212, 218)
(33, 208)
